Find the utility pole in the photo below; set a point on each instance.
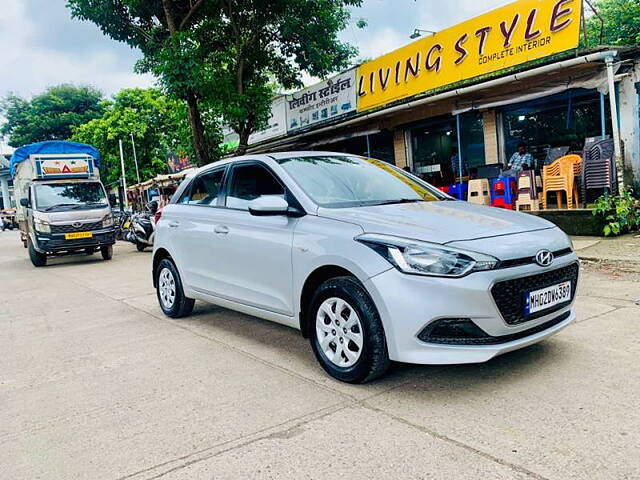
(124, 177)
(135, 157)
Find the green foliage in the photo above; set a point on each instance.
(221, 56)
(622, 212)
(159, 125)
(50, 115)
(621, 23)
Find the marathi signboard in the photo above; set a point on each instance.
(511, 35)
(322, 102)
(64, 167)
(277, 122)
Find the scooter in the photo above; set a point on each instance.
(143, 227)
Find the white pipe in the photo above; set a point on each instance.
(593, 57)
(124, 177)
(617, 143)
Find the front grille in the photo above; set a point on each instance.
(510, 295)
(477, 336)
(515, 262)
(69, 228)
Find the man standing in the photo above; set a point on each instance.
(521, 160)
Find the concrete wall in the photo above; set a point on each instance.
(629, 91)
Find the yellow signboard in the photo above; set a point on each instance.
(516, 33)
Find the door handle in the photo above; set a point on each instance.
(221, 229)
(174, 224)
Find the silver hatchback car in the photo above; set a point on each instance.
(371, 263)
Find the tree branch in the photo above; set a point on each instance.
(188, 17)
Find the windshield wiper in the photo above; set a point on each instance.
(57, 205)
(399, 200)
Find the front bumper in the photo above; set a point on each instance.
(409, 303)
(56, 242)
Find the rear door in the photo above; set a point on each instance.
(192, 221)
(254, 264)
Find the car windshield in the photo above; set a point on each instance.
(61, 196)
(337, 181)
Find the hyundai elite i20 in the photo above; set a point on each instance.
(371, 263)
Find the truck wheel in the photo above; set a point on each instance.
(107, 252)
(38, 259)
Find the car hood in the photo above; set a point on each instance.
(439, 221)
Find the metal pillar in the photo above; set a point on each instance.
(6, 198)
(617, 143)
(368, 146)
(459, 147)
(603, 117)
(124, 177)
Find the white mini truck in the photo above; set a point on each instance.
(62, 205)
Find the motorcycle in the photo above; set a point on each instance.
(143, 227)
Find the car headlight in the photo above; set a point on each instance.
(41, 226)
(424, 258)
(107, 221)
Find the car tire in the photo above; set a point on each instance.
(173, 302)
(37, 259)
(343, 331)
(140, 247)
(89, 251)
(107, 252)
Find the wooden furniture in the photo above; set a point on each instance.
(561, 176)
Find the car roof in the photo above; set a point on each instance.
(267, 155)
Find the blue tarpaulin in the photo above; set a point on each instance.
(52, 147)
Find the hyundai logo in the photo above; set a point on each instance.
(544, 258)
(76, 224)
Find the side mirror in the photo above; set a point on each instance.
(24, 202)
(267, 205)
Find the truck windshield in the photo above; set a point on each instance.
(61, 196)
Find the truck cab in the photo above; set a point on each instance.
(62, 206)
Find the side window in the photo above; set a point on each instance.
(250, 182)
(204, 189)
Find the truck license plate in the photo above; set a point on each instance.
(77, 235)
(547, 297)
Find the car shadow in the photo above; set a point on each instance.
(267, 339)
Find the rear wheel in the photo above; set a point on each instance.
(171, 297)
(140, 246)
(347, 334)
(38, 259)
(107, 252)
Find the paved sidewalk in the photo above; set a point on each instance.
(624, 250)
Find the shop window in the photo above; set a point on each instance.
(434, 145)
(554, 125)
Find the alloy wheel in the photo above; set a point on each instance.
(339, 332)
(167, 288)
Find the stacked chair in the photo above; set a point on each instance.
(479, 192)
(529, 187)
(599, 168)
(562, 176)
(503, 192)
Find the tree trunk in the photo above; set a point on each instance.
(244, 141)
(197, 131)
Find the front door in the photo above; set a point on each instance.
(254, 267)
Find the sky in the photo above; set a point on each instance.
(41, 45)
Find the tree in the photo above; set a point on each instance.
(159, 125)
(621, 22)
(50, 115)
(225, 53)
(157, 28)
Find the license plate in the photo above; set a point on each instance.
(77, 235)
(127, 224)
(548, 297)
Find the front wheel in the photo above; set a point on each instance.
(171, 297)
(347, 335)
(107, 252)
(38, 259)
